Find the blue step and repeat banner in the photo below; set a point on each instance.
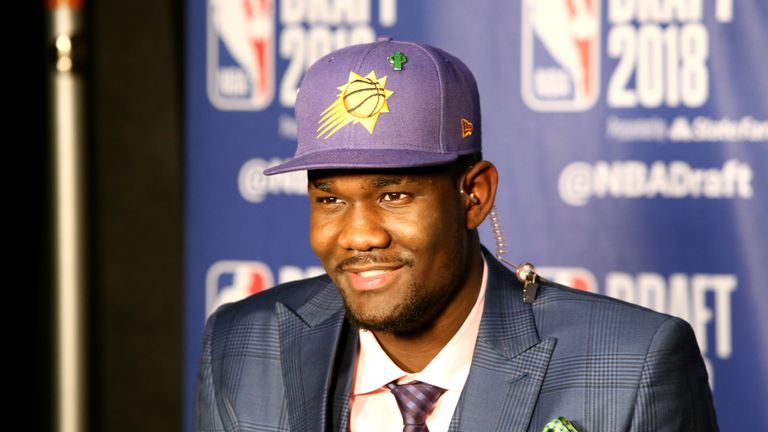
(631, 138)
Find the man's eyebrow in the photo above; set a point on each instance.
(323, 186)
(379, 182)
(387, 181)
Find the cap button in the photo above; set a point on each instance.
(384, 38)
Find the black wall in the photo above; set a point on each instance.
(136, 208)
(133, 71)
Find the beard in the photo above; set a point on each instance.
(416, 310)
(410, 316)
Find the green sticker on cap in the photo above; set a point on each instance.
(398, 60)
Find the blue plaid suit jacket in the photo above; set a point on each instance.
(282, 360)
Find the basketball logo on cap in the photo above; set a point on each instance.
(360, 100)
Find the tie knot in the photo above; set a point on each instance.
(416, 400)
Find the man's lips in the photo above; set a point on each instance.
(371, 278)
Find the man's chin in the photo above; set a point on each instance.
(381, 325)
(404, 322)
(381, 312)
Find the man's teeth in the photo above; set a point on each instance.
(372, 273)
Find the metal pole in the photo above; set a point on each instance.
(67, 140)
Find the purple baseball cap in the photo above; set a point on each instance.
(387, 104)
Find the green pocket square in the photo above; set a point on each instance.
(560, 424)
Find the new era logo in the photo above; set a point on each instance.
(466, 128)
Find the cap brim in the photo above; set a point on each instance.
(352, 159)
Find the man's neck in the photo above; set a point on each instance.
(413, 352)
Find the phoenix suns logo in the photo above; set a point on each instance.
(360, 101)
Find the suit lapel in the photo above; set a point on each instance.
(309, 338)
(344, 368)
(509, 362)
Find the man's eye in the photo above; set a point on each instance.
(328, 200)
(393, 196)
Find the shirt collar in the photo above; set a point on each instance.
(449, 369)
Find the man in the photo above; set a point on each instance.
(415, 325)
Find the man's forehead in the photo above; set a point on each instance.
(377, 177)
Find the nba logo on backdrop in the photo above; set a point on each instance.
(560, 54)
(574, 277)
(230, 281)
(241, 54)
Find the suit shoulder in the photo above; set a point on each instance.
(560, 309)
(557, 294)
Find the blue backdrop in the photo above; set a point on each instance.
(631, 137)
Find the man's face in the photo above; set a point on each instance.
(394, 242)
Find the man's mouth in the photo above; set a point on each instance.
(372, 273)
(371, 279)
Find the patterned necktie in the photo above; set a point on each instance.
(416, 400)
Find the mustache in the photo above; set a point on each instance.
(365, 259)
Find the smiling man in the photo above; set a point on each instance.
(416, 326)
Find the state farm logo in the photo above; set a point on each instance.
(574, 277)
(560, 54)
(230, 281)
(241, 54)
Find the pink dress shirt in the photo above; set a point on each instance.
(373, 407)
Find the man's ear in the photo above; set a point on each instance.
(479, 186)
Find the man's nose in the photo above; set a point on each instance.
(363, 230)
